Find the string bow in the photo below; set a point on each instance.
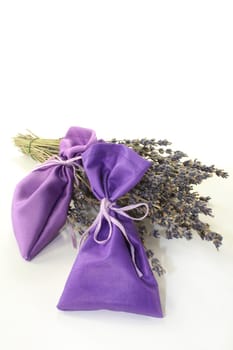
(106, 207)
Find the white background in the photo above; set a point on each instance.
(160, 69)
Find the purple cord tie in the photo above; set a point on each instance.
(105, 206)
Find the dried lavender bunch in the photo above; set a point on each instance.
(167, 187)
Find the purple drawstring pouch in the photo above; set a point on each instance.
(111, 270)
(41, 199)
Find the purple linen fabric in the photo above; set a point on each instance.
(41, 200)
(103, 275)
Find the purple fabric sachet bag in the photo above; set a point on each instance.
(111, 270)
(41, 199)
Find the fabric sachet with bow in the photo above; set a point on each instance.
(41, 200)
(111, 270)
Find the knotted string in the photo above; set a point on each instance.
(56, 160)
(30, 146)
(105, 207)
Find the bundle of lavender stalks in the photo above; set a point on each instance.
(167, 187)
